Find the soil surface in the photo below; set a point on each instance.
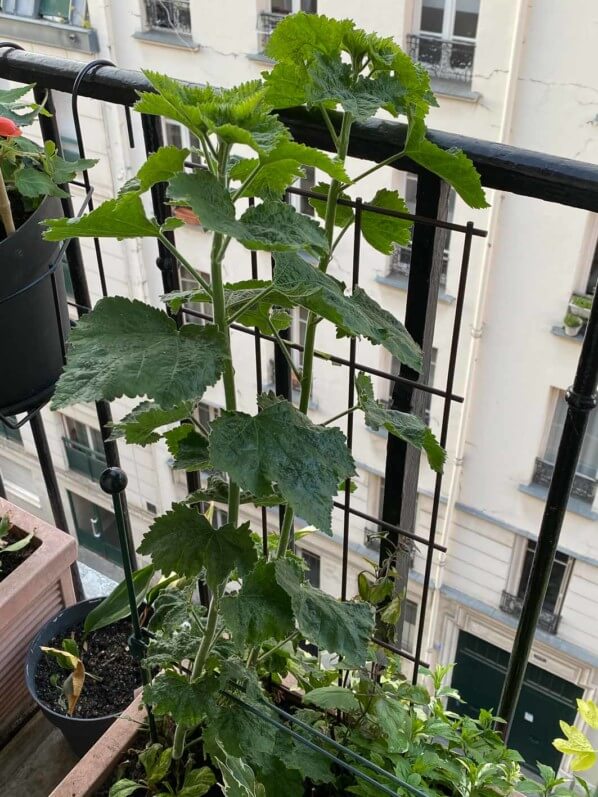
(10, 561)
(105, 655)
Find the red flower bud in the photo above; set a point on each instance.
(9, 128)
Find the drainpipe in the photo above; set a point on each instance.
(519, 36)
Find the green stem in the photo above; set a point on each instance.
(277, 647)
(185, 263)
(285, 351)
(375, 168)
(244, 307)
(330, 126)
(245, 184)
(340, 415)
(340, 235)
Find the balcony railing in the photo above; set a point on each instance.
(444, 59)
(266, 22)
(84, 460)
(503, 168)
(512, 604)
(583, 487)
(172, 15)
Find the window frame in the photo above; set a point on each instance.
(150, 6)
(448, 23)
(528, 550)
(187, 283)
(307, 555)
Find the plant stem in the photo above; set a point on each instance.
(340, 415)
(386, 162)
(340, 235)
(185, 263)
(245, 184)
(5, 209)
(277, 647)
(244, 307)
(285, 351)
(330, 126)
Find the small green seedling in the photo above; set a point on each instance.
(5, 527)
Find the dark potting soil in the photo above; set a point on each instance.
(11, 560)
(105, 655)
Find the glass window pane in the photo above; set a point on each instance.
(556, 429)
(282, 6)
(593, 278)
(466, 18)
(173, 134)
(557, 575)
(432, 17)
(312, 561)
(588, 460)
(409, 626)
(194, 142)
(309, 6)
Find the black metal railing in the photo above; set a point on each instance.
(512, 604)
(501, 167)
(583, 488)
(172, 15)
(83, 459)
(444, 59)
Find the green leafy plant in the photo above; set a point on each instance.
(214, 664)
(571, 320)
(576, 743)
(5, 546)
(585, 302)
(28, 172)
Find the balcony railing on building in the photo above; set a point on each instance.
(266, 22)
(168, 15)
(83, 459)
(584, 487)
(512, 604)
(448, 60)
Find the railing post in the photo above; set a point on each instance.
(402, 461)
(581, 399)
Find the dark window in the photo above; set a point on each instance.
(593, 278)
(307, 184)
(588, 459)
(312, 561)
(169, 15)
(409, 626)
(189, 284)
(9, 433)
(557, 583)
(432, 17)
(466, 18)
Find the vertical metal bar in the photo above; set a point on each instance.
(446, 414)
(44, 456)
(402, 461)
(2, 488)
(113, 482)
(581, 399)
(351, 401)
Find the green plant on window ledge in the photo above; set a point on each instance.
(214, 665)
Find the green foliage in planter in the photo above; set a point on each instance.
(571, 320)
(5, 546)
(261, 607)
(585, 302)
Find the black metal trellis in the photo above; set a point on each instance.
(501, 167)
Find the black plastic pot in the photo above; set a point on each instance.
(81, 734)
(34, 320)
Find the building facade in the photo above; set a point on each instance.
(514, 71)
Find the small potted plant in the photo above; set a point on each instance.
(35, 581)
(581, 305)
(34, 317)
(572, 324)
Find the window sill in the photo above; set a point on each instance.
(262, 58)
(53, 34)
(575, 505)
(560, 333)
(454, 89)
(402, 283)
(167, 38)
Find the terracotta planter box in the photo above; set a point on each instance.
(38, 589)
(97, 765)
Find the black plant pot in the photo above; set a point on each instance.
(34, 320)
(81, 734)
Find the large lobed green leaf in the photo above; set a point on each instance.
(127, 348)
(139, 426)
(159, 167)
(261, 610)
(184, 542)
(336, 626)
(123, 217)
(188, 448)
(282, 446)
(400, 424)
(353, 315)
(187, 702)
(383, 232)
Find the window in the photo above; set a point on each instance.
(400, 260)
(168, 15)
(206, 413)
(299, 329)
(371, 537)
(409, 626)
(268, 20)
(176, 135)
(584, 483)
(96, 528)
(593, 277)
(84, 448)
(8, 433)
(445, 45)
(189, 284)
(312, 561)
(301, 203)
(559, 576)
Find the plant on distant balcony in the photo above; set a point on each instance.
(572, 324)
(214, 665)
(581, 306)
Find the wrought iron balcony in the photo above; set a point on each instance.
(547, 621)
(444, 59)
(62, 24)
(266, 22)
(583, 488)
(83, 459)
(172, 15)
